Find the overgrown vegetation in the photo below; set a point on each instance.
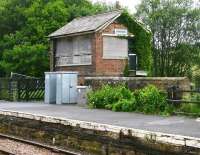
(141, 43)
(196, 75)
(25, 25)
(148, 100)
(151, 100)
(190, 108)
(175, 34)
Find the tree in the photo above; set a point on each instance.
(28, 59)
(25, 25)
(175, 26)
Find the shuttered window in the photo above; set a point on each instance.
(115, 47)
(64, 47)
(74, 51)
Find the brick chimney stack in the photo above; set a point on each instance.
(118, 6)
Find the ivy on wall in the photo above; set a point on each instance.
(141, 43)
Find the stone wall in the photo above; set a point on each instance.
(92, 138)
(139, 82)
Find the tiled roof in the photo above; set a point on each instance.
(86, 24)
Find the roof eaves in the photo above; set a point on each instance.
(51, 35)
(72, 34)
(101, 27)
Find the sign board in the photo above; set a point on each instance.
(121, 32)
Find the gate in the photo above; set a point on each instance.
(187, 102)
(21, 89)
(30, 89)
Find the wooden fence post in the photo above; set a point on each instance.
(26, 89)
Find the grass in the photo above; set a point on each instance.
(191, 109)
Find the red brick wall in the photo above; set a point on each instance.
(108, 67)
(111, 27)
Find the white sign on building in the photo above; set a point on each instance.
(121, 32)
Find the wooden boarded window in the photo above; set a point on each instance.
(74, 51)
(64, 47)
(115, 47)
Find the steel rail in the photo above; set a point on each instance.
(6, 153)
(48, 147)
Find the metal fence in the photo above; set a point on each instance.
(175, 95)
(21, 89)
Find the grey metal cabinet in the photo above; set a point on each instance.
(66, 91)
(50, 87)
(60, 87)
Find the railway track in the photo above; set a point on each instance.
(5, 153)
(34, 144)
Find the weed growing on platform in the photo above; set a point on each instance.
(119, 98)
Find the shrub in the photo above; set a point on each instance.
(125, 105)
(190, 108)
(151, 100)
(108, 96)
(126, 71)
(119, 98)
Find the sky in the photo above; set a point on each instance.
(130, 4)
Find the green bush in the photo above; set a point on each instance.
(126, 71)
(151, 100)
(108, 96)
(119, 98)
(190, 108)
(125, 105)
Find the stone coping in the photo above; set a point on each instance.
(160, 137)
(134, 78)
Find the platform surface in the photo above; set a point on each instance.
(172, 125)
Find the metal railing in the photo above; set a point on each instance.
(175, 95)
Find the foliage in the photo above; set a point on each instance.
(196, 76)
(24, 25)
(125, 105)
(26, 58)
(126, 71)
(175, 29)
(120, 98)
(191, 97)
(107, 96)
(151, 99)
(141, 44)
(190, 108)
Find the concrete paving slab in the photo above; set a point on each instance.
(172, 125)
